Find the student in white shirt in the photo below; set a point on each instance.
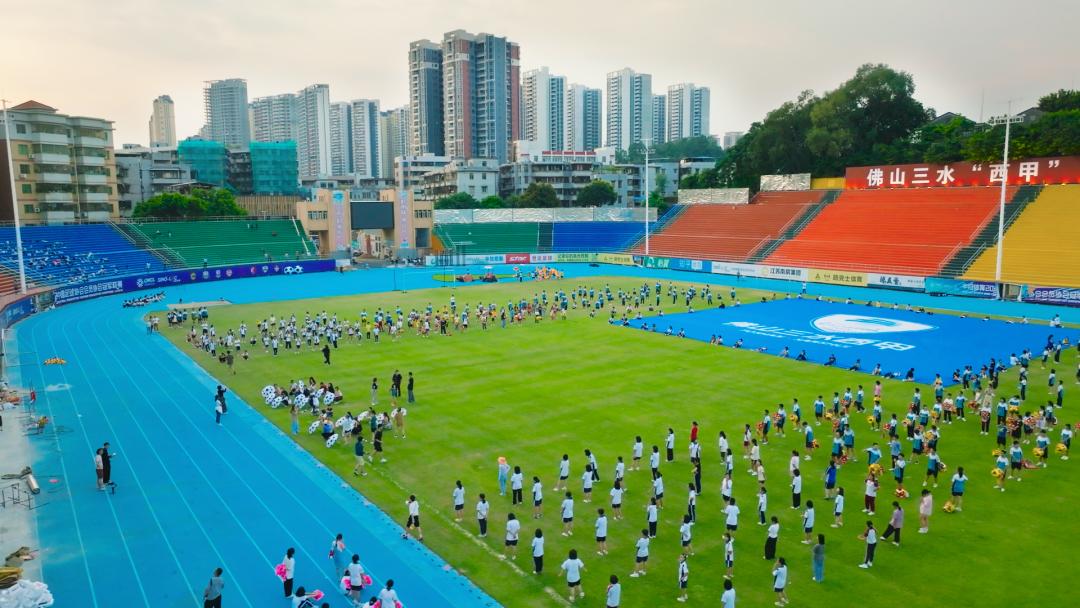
(654, 461)
(641, 554)
(388, 596)
(635, 454)
(658, 490)
(870, 536)
(538, 551)
(513, 529)
(564, 472)
(762, 504)
(567, 512)
(808, 522)
(726, 487)
(729, 555)
(796, 490)
(482, 508)
(727, 599)
(685, 535)
(414, 518)
(600, 527)
(684, 578)
(732, 513)
(459, 500)
(652, 515)
(516, 480)
(616, 500)
(538, 498)
(613, 593)
(290, 566)
(838, 508)
(587, 483)
(691, 503)
(573, 568)
(355, 572)
(771, 537)
(620, 469)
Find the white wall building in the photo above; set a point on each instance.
(163, 123)
(687, 111)
(543, 99)
(582, 118)
(365, 138)
(659, 116)
(629, 108)
(226, 105)
(313, 130)
(731, 138)
(273, 118)
(341, 148)
(393, 138)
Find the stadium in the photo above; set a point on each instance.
(819, 380)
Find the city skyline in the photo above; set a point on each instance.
(752, 65)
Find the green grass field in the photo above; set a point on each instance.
(535, 391)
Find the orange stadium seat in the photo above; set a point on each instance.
(730, 232)
(911, 231)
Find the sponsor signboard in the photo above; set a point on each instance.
(895, 281)
(783, 272)
(838, 277)
(518, 258)
(17, 311)
(621, 259)
(655, 262)
(952, 287)
(156, 280)
(1066, 296)
(542, 257)
(576, 257)
(746, 270)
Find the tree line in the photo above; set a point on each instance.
(202, 202)
(874, 119)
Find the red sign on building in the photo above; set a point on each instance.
(1053, 170)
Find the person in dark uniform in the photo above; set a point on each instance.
(326, 354)
(106, 464)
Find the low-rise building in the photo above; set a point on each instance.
(477, 177)
(64, 166)
(143, 172)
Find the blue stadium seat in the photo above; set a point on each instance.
(62, 255)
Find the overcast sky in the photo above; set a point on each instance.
(110, 59)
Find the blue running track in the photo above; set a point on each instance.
(193, 496)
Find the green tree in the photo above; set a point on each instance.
(1062, 99)
(459, 200)
(491, 202)
(200, 203)
(539, 195)
(661, 184)
(597, 194)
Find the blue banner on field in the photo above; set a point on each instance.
(1065, 296)
(156, 280)
(896, 339)
(678, 264)
(16, 311)
(971, 289)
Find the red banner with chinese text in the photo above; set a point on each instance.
(1052, 170)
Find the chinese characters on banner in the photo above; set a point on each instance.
(1060, 170)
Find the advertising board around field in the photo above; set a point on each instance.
(838, 277)
(689, 265)
(571, 258)
(895, 281)
(538, 258)
(622, 259)
(735, 268)
(952, 287)
(1063, 296)
(789, 273)
(157, 280)
(518, 258)
(17, 311)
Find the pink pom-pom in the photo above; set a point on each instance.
(317, 595)
(366, 579)
(280, 571)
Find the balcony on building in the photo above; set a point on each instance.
(57, 198)
(90, 161)
(92, 179)
(45, 137)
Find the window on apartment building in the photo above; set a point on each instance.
(24, 150)
(483, 189)
(27, 189)
(28, 208)
(20, 128)
(24, 169)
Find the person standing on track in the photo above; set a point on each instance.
(212, 593)
(289, 563)
(106, 464)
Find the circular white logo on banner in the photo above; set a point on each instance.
(859, 324)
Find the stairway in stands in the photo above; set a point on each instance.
(795, 228)
(987, 237)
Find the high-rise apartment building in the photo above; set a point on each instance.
(341, 144)
(273, 118)
(481, 95)
(629, 108)
(687, 111)
(365, 138)
(659, 118)
(581, 123)
(226, 103)
(425, 98)
(393, 138)
(163, 123)
(731, 138)
(64, 166)
(313, 130)
(543, 101)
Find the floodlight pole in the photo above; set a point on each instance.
(14, 199)
(646, 141)
(1007, 120)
